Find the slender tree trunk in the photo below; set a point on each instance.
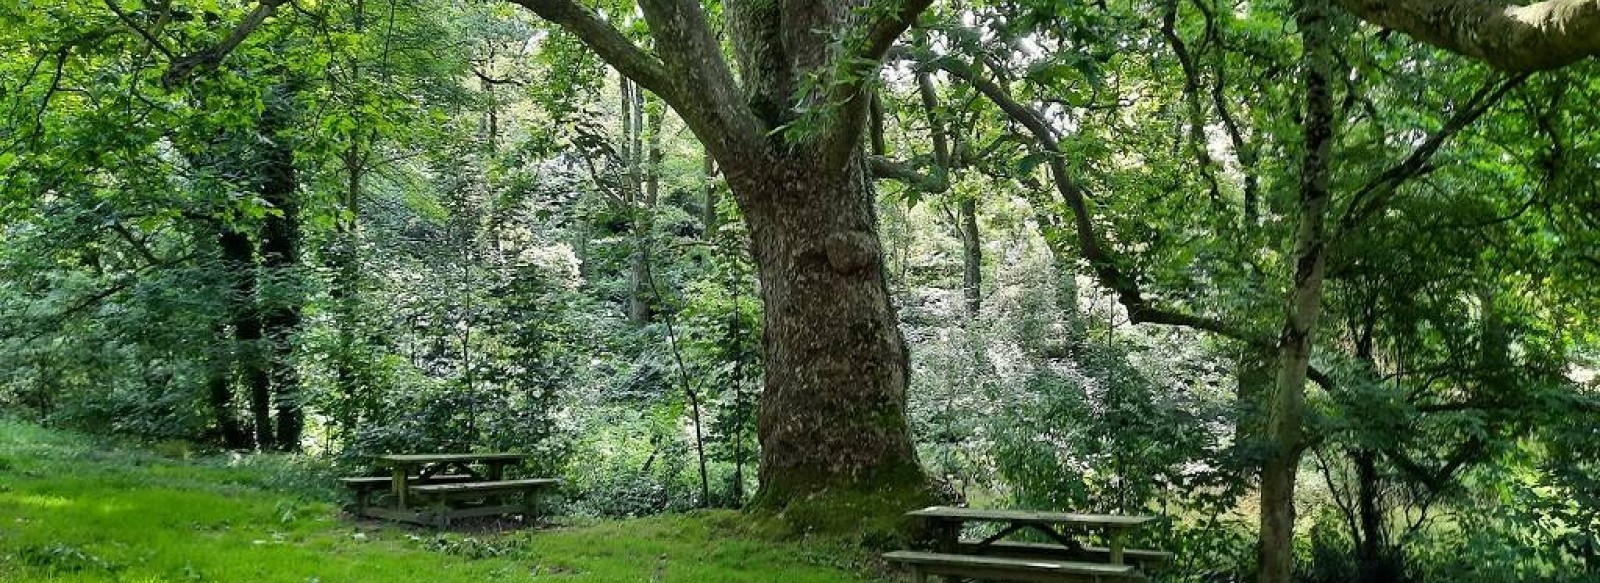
(1370, 547)
(280, 255)
(219, 386)
(833, 413)
(343, 256)
(971, 256)
(643, 209)
(708, 213)
(735, 347)
(238, 256)
(1284, 415)
(1369, 483)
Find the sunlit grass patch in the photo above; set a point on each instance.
(72, 512)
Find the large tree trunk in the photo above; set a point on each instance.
(833, 413)
(1284, 414)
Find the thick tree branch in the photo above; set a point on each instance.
(908, 174)
(856, 73)
(756, 26)
(705, 95)
(208, 59)
(606, 41)
(1541, 36)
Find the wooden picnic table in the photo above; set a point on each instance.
(1060, 527)
(429, 465)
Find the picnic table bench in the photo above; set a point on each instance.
(1064, 558)
(435, 489)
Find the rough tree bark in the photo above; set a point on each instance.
(835, 401)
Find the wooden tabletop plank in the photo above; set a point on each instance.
(1032, 517)
(434, 458)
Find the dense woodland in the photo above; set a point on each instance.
(1312, 280)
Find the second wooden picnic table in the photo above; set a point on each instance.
(1059, 527)
(429, 465)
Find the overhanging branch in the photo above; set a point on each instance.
(1537, 37)
(1105, 269)
(908, 174)
(1375, 195)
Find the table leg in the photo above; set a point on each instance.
(400, 489)
(1004, 532)
(1116, 537)
(947, 535)
(530, 507)
(495, 470)
(1061, 538)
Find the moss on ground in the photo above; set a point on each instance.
(71, 510)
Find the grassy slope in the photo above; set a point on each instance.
(72, 512)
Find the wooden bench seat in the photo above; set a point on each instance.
(481, 487)
(365, 486)
(1011, 569)
(1145, 559)
(492, 493)
(386, 482)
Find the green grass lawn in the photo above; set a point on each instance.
(72, 511)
